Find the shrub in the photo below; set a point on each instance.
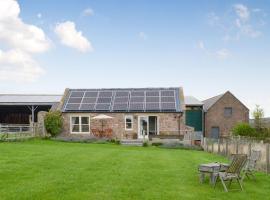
(156, 144)
(145, 144)
(181, 146)
(53, 122)
(244, 129)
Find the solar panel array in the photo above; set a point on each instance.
(123, 100)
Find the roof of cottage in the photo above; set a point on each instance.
(124, 100)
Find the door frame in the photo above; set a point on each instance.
(139, 125)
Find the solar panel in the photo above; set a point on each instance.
(121, 100)
(140, 100)
(152, 106)
(87, 107)
(91, 94)
(137, 93)
(77, 94)
(152, 99)
(89, 100)
(167, 93)
(152, 93)
(74, 100)
(167, 106)
(103, 106)
(136, 106)
(137, 99)
(167, 99)
(72, 106)
(118, 107)
(121, 93)
(105, 94)
(104, 100)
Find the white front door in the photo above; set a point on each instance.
(143, 130)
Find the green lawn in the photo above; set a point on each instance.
(56, 170)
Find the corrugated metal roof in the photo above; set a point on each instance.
(208, 103)
(192, 101)
(29, 99)
(123, 100)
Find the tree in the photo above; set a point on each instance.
(53, 122)
(258, 114)
(244, 129)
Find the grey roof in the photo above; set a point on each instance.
(208, 103)
(29, 99)
(123, 100)
(192, 101)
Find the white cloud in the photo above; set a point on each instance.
(16, 65)
(70, 37)
(21, 40)
(223, 54)
(17, 34)
(142, 35)
(220, 54)
(39, 15)
(242, 11)
(242, 22)
(88, 12)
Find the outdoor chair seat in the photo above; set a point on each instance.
(233, 171)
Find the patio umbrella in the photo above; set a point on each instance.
(102, 117)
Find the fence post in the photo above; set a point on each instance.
(206, 143)
(249, 149)
(236, 147)
(218, 146)
(226, 147)
(212, 146)
(267, 159)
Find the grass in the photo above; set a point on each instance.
(43, 169)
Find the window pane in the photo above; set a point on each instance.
(228, 112)
(85, 120)
(75, 128)
(75, 120)
(85, 128)
(128, 122)
(128, 125)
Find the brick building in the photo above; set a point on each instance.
(132, 113)
(222, 113)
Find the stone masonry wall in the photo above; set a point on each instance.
(168, 123)
(215, 115)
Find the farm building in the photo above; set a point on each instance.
(22, 108)
(222, 113)
(131, 113)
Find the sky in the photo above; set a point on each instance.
(207, 47)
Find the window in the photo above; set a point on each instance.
(128, 122)
(80, 124)
(228, 112)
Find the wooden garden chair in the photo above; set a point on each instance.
(251, 164)
(233, 171)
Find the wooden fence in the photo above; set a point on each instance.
(19, 131)
(234, 145)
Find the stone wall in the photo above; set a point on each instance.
(215, 117)
(168, 123)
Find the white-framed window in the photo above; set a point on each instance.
(128, 122)
(80, 124)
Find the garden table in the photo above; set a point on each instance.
(212, 169)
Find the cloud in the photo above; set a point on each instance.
(142, 35)
(17, 34)
(20, 40)
(241, 22)
(70, 37)
(222, 54)
(242, 11)
(39, 15)
(16, 65)
(88, 12)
